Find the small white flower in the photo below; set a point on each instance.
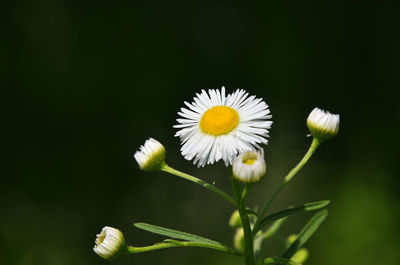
(249, 166)
(109, 243)
(322, 124)
(151, 155)
(216, 126)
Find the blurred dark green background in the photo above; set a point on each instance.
(84, 83)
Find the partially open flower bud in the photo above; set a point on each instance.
(109, 243)
(322, 124)
(249, 166)
(151, 155)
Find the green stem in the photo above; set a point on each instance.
(131, 249)
(174, 243)
(248, 238)
(313, 147)
(198, 181)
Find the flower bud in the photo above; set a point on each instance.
(151, 155)
(235, 221)
(249, 166)
(322, 124)
(290, 239)
(109, 243)
(301, 255)
(238, 239)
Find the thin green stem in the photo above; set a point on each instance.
(131, 249)
(313, 147)
(198, 181)
(248, 238)
(174, 243)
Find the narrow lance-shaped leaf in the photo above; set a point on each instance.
(312, 206)
(174, 233)
(261, 236)
(307, 231)
(218, 247)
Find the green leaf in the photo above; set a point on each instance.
(279, 261)
(260, 237)
(311, 206)
(173, 233)
(218, 247)
(305, 233)
(273, 228)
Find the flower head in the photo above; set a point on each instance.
(151, 155)
(216, 126)
(322, 124)
(249, 166)
(109, 243)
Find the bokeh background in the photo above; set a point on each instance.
(84, 83)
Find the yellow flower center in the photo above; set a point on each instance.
(249, 161)
(249, 158)
(101, 238)
(219, 120)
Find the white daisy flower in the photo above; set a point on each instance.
(151, 155)
(216, 126)
(322, 124)
(109, 243)
(249, 166)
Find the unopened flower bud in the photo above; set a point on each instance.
(301, 255)
(151, 155)
(322, 124)
(238, 239)
(235, 221)
(249, 166)
(290, 239)
(109, 243)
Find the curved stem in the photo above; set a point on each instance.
(198, 181)
(313, 147)
(131, 249)
(169, 243)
